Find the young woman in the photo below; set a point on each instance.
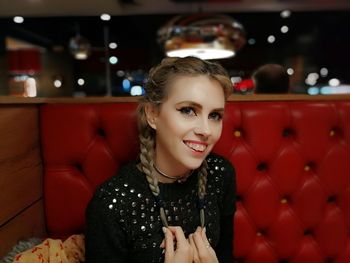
(176, 202)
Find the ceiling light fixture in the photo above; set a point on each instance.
(79, 47)
(207, 36)
(105, 17)
(18, 19)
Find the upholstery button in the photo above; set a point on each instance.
(287, 132)
(237, 133)
(332, 133)
(261, 167)
(101, 132)
(308, 166)
(261, 232)
(79, 167)
(307, 232)
(284, 201)
(331, 199)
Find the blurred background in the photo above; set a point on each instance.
(105, 48)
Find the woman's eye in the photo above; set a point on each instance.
(188, 111)
(215, 116)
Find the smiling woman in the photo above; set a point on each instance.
(177, 189)
(188, 124)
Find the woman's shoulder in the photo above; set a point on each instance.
(117, 191)
(218, 162)
(221, 177)
(127, 174)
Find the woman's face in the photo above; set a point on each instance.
(188, 123)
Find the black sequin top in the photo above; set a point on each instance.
(123, 222)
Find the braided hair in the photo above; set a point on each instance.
(156, 91)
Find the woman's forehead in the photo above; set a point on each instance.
(200, 89)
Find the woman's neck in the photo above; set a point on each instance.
(165, 177)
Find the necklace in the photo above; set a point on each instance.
(178, 179)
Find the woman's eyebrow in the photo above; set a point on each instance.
(190, 103)
(219, 109)
(197, 105)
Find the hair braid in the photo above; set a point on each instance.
(202, 183)
(146, 157)
(147, 143)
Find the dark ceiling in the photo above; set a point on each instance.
(318, 38)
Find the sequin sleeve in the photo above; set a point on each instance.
(229, 196)
(224, 249)
(105, 239)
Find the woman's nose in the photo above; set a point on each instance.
(203, 128)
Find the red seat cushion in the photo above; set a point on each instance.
(292, 161)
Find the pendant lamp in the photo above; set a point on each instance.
(207, 36)
(80, 47)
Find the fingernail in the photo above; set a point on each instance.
(164, 229)
(205, 230)
(163, 251)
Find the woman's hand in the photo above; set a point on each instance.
(202, 251)
(177, 248)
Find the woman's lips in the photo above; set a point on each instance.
(197, 146)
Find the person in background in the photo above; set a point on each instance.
(176, 202)
(271, 78)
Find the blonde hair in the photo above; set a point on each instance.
(156, 91)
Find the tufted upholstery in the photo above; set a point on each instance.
(292, 161)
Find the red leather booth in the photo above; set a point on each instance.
(292, 160)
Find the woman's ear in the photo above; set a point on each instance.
(151, 111)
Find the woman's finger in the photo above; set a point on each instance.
(194, 248)
(169, 244)
(202, 245)
(162, 245)
(206, 241)
(204, 237)
(199, 240)
(179, 236)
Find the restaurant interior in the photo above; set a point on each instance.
(71, 73)
(90, 48)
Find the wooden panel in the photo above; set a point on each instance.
(20, 163)
(30, 223)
